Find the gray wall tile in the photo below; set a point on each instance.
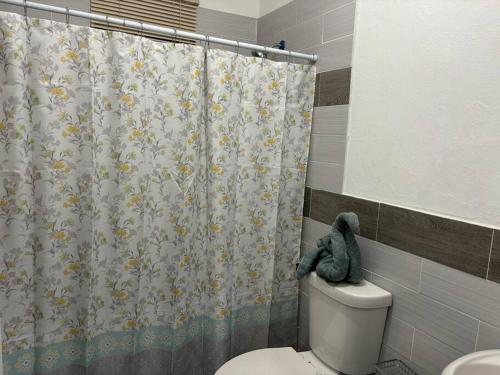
(317, 86)
(312, 8)
(303, 35)
(227, 25)
(307, 201)
(488, 337)
(432, 355)
(330, 120)
(441, 322)
(333, 55)
(325, 176)
(303, 322)
(327, 148)
(472, 295)
(278, 20)
(325, 207)
(398, 335)
(456, 244)
(339, 22)
(313, 230)
(388, 353)
(83, 5)
(397, 265)
(335, 87)
(494, 266)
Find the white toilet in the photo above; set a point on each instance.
(346, 325)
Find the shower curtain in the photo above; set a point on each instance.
(150, 201)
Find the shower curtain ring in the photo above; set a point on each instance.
(175, 36)
(67, 15)
(25, 6)
(237, 47)
(142, 29)
(289, 56)
(207, 42)
(107, 22)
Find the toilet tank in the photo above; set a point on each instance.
(346, 323)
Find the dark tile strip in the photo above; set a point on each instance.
(325, 207)
(454, 243)
(335, 87)
(494, 268)
(307, 202)
(317, 90)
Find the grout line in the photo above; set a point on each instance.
(378, 217)
(477, 335)
(489, 257)
(319, 88)
(420, 275)
(412, 342)
(310, 202)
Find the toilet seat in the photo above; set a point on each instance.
(274, 361)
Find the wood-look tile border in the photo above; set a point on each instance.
(470, 248)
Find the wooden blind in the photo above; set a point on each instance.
(179, 14)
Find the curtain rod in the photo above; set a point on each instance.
(158, 29)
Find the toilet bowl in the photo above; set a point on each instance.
(346, 325)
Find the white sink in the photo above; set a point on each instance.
(479, 363)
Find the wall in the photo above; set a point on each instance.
(323, 27)
(210, 21)
(423, 85)
(424, 122)
(227, 25)
(438, 314)
(73, 4)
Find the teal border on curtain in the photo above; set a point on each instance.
(77, 352)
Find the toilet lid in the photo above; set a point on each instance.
(275, 361)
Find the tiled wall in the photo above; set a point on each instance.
(323, 27)
(443, 274)
(83, 5)
(211, 22)
(227, 25)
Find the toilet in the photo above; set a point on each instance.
(346, 325)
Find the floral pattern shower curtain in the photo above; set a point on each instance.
(150, 201)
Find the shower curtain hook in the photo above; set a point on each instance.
(175, 36)
(142, 29)
(237, 47)
(25, 5)
(289, 56)
(107, 22)
(67, 16)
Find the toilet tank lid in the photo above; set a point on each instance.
(364, 295)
